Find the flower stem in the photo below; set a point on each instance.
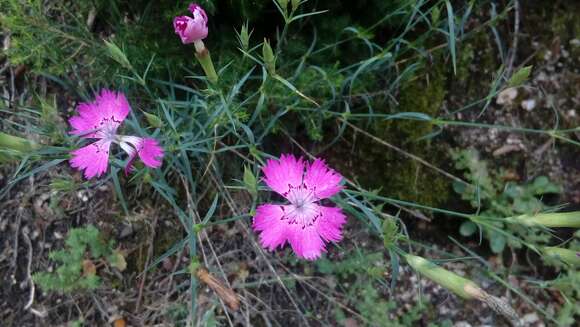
(204, 59)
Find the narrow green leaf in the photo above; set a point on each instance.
(118, 189)
(451, 24)
(211, 209)
(394, 268)
(293, 88)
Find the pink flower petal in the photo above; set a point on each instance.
(268, 221)
(305, 224)
(306, 242)
(93, 159)
(281, 175)
(191, 29)
(197, 10)
(147, 149)
(107, 112)
(150, 153)
(323, 180)
(88, 120)
(113, 105)
(330, 223)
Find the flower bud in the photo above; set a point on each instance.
(295, 4)
(461, 286)
(12, 147)
(153, 120)
(191, 29)
(568, 256)
(244, 37)
(269, 58)
(118, 55)
(551, 219)
(441, 276)
(283, 4)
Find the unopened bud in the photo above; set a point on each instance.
(568, 256)
(269, 58)
(118, 55)
(295, 4)
(554, 219)
(461, 286)
(153, 120)
(283, 4)
(244, 37)
(12, 147)
(441, 276)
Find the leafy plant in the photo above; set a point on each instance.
(363, 271)
(77, 270)
(495, 197)
(568, 282)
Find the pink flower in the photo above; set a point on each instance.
(191, 29)
(99, 120)
(304, 223)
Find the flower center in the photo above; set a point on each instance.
(302, 210)
(107, 129)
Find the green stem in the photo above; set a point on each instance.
(204, 59)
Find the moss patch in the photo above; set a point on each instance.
(395, 174)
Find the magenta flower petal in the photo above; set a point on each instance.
(305, 224)
(150, 153)
(324, 181)
(306, 242)
(114, 105)
(197, 10)
(99, 120)
(191, 29)
(93, 159)
(88, 120)
(102, 117)
(147, 149)
(284, 174)
(330, 223)
(268, 220)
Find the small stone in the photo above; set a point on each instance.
(126, 231)
(530, 318)
(542, 77)
(529, 104)
(507, 96)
